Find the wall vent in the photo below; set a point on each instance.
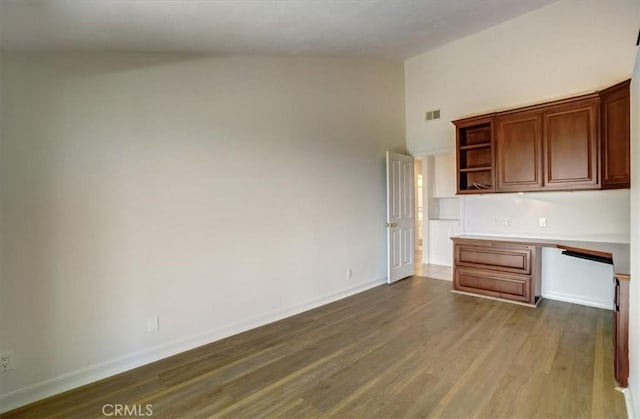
(433, 115)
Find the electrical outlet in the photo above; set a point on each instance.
(6, 363)
(349, 273)
(542, 221)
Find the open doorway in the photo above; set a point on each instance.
(437, 214)
(419, 202)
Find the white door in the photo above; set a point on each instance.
(400, 217)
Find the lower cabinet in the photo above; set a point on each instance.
(621, 329)
(494, 284)
(499, 270)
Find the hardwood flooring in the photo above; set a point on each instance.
(412, 349)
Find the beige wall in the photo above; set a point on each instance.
(217, 193)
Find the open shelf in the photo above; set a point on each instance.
(475, 156)
(474, 146)
(478, 181)
(475, 169)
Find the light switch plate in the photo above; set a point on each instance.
(153, 323)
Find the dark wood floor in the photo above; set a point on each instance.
(412, 349)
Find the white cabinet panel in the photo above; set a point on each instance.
(444, 176)
(440, 245)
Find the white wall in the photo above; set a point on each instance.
(218, 193)
(581, 215)
(563, 49)
(449, 208)
(568, 47)
(634, 303)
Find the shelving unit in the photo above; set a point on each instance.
(475, 169)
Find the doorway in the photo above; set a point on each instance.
(419, 194)
(430, 204)
(420, 191)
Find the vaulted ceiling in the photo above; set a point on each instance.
(395, 29)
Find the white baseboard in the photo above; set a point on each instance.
(578, 299)
(628, 401)
(83, 376)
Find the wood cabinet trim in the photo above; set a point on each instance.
(474, 119)
(625, 84)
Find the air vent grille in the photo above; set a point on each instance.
(430, 115)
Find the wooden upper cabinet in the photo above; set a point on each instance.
(474, 149)
(519, 152)
(570, 145)
(576, 143)
(615, 136)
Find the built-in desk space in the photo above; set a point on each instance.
(509, 269)
(617, 253)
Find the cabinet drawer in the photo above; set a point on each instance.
(516, 259)
(494, 284)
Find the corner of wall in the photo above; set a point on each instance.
(629, 402)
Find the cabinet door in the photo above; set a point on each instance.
(616, 168)
(493, 284)
(621, 331)
(570, 145)
(519, 152)
(508, 258)
(444, 175)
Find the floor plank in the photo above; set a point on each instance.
(412, 349)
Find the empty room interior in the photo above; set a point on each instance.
(306, 208)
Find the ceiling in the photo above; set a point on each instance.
(395, 29)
